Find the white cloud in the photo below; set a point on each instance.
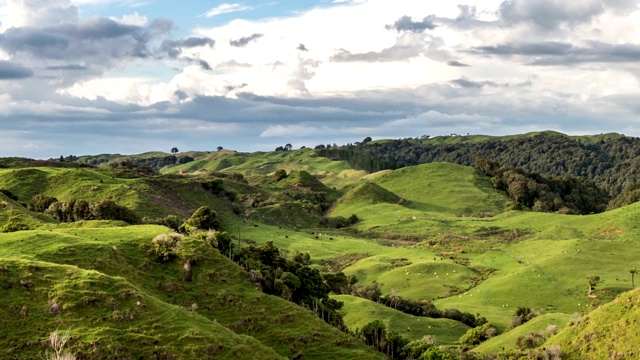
(225, 9)
(132, 19)
(392, 81)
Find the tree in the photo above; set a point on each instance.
(280, 174)
(477, 335)
(201, 219)
(593, 281)
(174, 150)
(220, 148)
(416, 348)
(633, 274)
(288, 147)
(374, 334)
(367, 139)
(40, 203)
(222, 240)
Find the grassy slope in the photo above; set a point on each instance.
(98, 275)
(333, 173)
(609, 332)
(358, 312)
(433, 193)
(508, 339)
(545, 268)
(147, 197)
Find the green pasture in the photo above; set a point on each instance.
(113, 292)
(358, 311)
(539, 324)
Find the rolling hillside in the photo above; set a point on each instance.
(105, 288)
(435, 232)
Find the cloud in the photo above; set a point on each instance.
(559, 53)
(226, 8)
(405, 23)
(456, 64)
(551, 14)
(96, 40)
(301, 47)
(173, 48)
(232, 64)
(407, 46)
(70, 67)
(244, 41)
(13, 71)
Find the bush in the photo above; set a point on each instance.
(14, 225)
(166, 246)
(170, 221)
(40, 203)
(530, 341)
(201, 219)
(77, 210)
(478, 335)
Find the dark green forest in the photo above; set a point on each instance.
(558, 163)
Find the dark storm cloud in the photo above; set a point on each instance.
(405, 23)
(557, 53)
(457, 64)
(173, 48)
(243, 41)
(104, 41)
(9, 71)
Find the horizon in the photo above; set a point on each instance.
(122, 76)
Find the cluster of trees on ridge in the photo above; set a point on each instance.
(567, 195)
(612, 162)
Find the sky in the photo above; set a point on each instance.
(82, 77)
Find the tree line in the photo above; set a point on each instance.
(545, 172)
(612, 163)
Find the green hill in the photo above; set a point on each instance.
(435, 231)
(104, 286)
(545, 324)
(358, 311)
(608, 332)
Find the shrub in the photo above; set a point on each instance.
(214, 186)
(530, 341)
(40, 203)
(14, 225)
(201, 219)
(57, 342)
(166, 246)
(478, 335)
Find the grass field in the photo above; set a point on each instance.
(507, 340)
(110, 292)
(436, 232)
(358, 310)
